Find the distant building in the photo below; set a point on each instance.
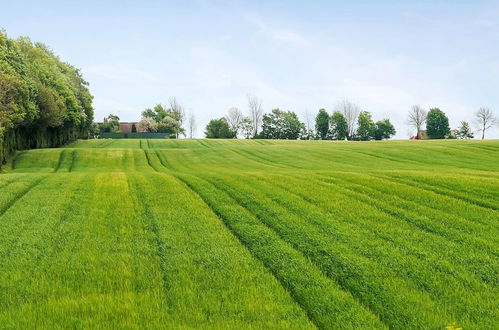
(422, 136)
(127, 127)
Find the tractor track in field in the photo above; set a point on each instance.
(20, 195)
(293, 246)
(440, 191)
(152, 227)
(241, 240)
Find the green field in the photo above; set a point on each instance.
(251, 233)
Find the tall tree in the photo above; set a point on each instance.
(365, 126)
(351, 112)
(417, 118)
(322, 124)
(437, 124)
(234, 118)
(218, 129)
(255, 112)
(484, 118)
(192, 125)
(178, 114)
(338, 126)
(282, 125)
(464, 131)
(383, 130)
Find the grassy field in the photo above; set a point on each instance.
(260, 234)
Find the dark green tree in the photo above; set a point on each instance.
(338, 129)
(437, 124)
(383, 130)
(464, 131)
(322, 124)
(365, 126)
(219, 129)
(281, 125)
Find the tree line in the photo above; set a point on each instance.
(158, 119)
(347, 122)
(437, 124)
(44, 102)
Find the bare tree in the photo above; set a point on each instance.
(484, 118)
(179, 112)
(255, 112)
(234, 118)
(308, 120)
(417, 118)
(191, 125)
(351, 112)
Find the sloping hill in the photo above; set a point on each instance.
(238, 233)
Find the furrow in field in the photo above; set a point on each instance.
(151, 225)
(163, 161)
(476, 263)
(416, 261)
(62, 156)
(444, 192)
(212, 280)
(20, 194)
(382, 290)
(458, 215)
(148, 157)
(323, 300)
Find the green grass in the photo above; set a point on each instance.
(251, 234)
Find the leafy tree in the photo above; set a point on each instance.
(281, 125)
(338, 129)
(219, 129)
(44, 102)
(157, 113)
(365, 126)
(113, 122)
(322, 124)
(134, 128)
(147, 124)
(247, 127)
(167, 120)
(383, 130)
(437, 124)
(464, 131)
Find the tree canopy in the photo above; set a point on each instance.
(437, 124)
(322, 124)
(219, 129)
(338, 126)
(281, 125)
(43, 101)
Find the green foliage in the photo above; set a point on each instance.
(338, 126)
(437, 124)
(464, 131)
(111, 124)
(322, 124)
(167, 120)
(43, 102)
(251, 234)
(383, 130)
(219, 129)
(365, 126)
(283, 125)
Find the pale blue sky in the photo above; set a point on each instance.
(295, 55)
